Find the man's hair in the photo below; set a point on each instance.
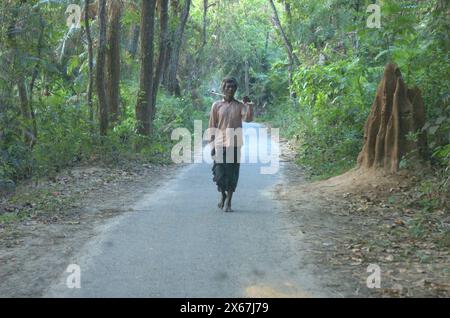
(229, 80)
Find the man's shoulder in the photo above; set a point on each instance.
(216, 103)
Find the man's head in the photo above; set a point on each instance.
(229, 87)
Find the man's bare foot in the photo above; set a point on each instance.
(229, 196)
(222, 201)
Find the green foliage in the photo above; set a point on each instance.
(342, 62)
(415, 36)
(333, 106)
(432, 201)
(64, 139)
(238, 32)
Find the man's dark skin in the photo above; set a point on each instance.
(229, 90)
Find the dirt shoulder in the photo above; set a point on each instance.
(357, 219)
(43, 226)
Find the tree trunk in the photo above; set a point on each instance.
(90, 60)
(113, 58)
(144, 100)
(287, 8)
(100, 81)
(25, 112)
(247, 78)
(165, 71)
(396, 112)
(292, 57)
(33, 79)
(133, 45)
(171, 81)
(205, 12)
(163, 46)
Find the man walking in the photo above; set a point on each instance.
(226, 120)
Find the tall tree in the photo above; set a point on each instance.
(134, 40)
(205, 13)
(100, 72)
(247, 77)
(113, 58)
(144, 99)
(14, 30)
(293, 59)
(163, 47)
(170, 79)
(90, 59)
(35, 74)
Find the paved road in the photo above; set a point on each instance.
(177, 243)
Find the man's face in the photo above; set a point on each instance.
(229, 89)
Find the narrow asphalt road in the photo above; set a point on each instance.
(177, 243)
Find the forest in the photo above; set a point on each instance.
(72, 93)
(107, 81)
